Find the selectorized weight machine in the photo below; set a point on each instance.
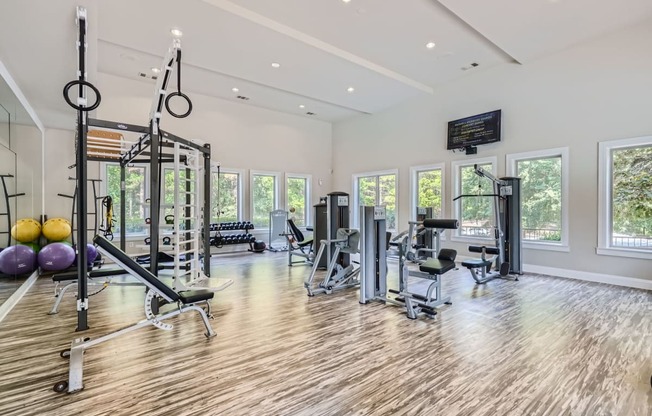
(373, 265)
(506, 254)
(333, 238)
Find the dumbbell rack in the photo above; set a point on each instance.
(220, 240)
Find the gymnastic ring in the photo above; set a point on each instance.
(185, 97)
(71, 84)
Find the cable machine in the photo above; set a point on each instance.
(153, 147)
(507, 231)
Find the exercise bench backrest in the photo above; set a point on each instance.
(295, 230)
(135, 269)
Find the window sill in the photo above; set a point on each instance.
(472, 240)
(531, 245)
(624, 252)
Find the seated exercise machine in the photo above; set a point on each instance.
(507, 232)
(373, 264)
(340, 274)
(298, 245)
(184, 301)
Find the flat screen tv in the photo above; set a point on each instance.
(472, 131)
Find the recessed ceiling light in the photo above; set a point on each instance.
(302, 106)
(176, 32)
(350, 89)
(234, 89)
(346, 1)
(276, 65)
(430, 45)
(156, 70)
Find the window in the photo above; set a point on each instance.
(475, 213)
(168, 189)
(136, 185)
(544, 193)
(625, 210)
(226, 196)
(376, 188)
(264, 197)
(427, 187)
(297, 198)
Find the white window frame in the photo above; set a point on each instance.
(355, 209)
(605, 196)
(414, 186)
(240, 173)
(513, 158)
(103, 191)
(277, 190)
(308, 194)
(455, 205)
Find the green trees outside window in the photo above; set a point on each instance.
(296, 197)
(263, 192)
(541, 198)
(135, 209)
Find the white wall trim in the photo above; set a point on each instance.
(609, 279)
(590, 276)
(605, 215)
(15, 297)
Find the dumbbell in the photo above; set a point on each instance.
(242, 238)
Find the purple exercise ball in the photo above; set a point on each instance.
(56, 256)
(17, 260)
(91, 253)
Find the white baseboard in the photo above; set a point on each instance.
(581, 275)
(9, 304)
(590, 276)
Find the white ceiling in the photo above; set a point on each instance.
(323, 46)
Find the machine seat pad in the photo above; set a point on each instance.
(488, 250)
(476, 263)
(436, 266)
(306, 242)
(194, 296)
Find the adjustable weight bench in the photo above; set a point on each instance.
(185, 301)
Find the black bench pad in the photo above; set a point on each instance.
(435, 266)
(194, 296)
(488, 250)
(476, 263)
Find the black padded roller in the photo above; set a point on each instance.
(437, 223)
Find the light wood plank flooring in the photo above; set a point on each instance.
(540, 346)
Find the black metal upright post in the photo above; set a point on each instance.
(82, 194)
(154, 195)
(207, 210)
(123, 209)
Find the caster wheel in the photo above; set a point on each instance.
(61, 386)
(65, 353)
(87, 339)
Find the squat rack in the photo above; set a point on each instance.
(149, 148)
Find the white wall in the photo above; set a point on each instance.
(241, 136)
(594, 92)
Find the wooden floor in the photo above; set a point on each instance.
(540, 346)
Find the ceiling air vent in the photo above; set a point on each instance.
(310, 113)
(470, 66)
(142, 74)
(242, 97)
